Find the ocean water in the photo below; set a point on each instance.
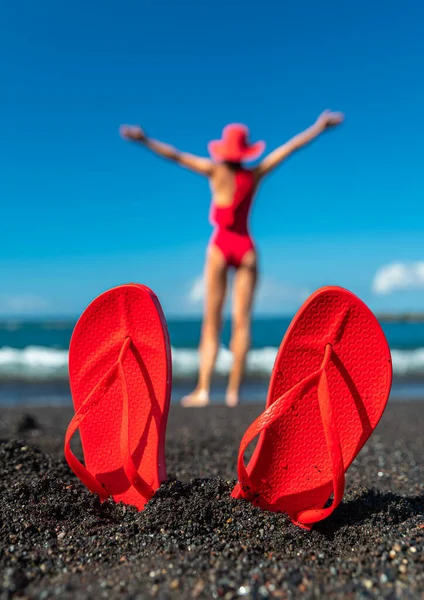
(34, 358)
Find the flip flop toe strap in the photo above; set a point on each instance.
(127, 460)
(271, 414)
(280, 407)
(308, 517)
(92, 400)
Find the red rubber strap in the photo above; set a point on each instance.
(277, 409)
(128, 464)
(95, 396)
(308, 517)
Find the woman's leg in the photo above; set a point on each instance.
(216, 285)
(244, 289)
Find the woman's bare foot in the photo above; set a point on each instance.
(231, 398)
(196, 398)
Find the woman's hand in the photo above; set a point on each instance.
(330, 119)
(326, 120)
(133, 133)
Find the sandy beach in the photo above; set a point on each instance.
(193, 540)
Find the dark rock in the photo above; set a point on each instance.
(26, 423)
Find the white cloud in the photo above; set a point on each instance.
(398, 276)
(18, 304)
(196, 293)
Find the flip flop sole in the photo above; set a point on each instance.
(291, 469)
(126, 311)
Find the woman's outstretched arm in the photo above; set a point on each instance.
(326, 120)
(204, 166)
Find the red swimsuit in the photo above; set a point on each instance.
(231, 233)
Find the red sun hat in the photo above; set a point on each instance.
(234, 145)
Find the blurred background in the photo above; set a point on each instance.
(83, 211)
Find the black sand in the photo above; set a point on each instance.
(193, 540)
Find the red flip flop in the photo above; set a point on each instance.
(120, 375)
(329, 388)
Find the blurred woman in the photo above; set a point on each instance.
(233, 189)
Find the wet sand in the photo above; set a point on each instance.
(193, 540)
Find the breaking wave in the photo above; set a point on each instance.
(44, 364)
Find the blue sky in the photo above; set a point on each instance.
(82, 210)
